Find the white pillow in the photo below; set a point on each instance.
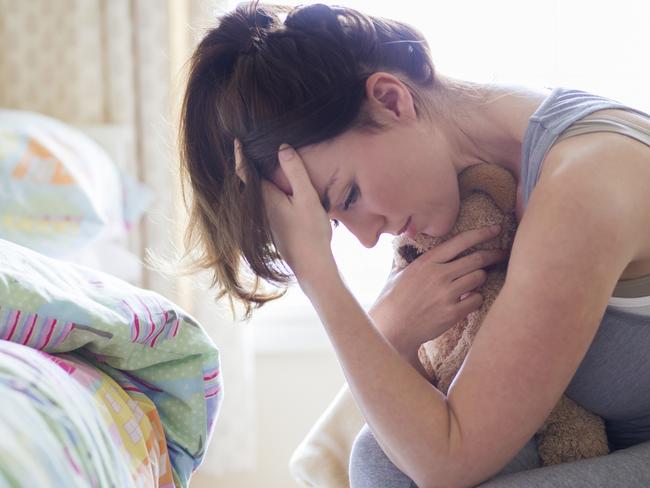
(59, 190)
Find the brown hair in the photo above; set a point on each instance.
(267, 82)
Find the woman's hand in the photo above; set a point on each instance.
(300, 226)
(423, 300)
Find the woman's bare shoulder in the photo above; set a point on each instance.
(621, 166)
(579, 145)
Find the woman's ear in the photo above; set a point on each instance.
(387, 94)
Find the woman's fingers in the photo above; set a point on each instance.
(448, 250)
(294, 169)
(468, 305)
(467, 283)
(475, 261)
(290, 162)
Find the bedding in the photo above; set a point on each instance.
(66, 423)
(63, 195)
(60, 190)
(148, 365)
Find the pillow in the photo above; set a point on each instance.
(59, 190)
(146, 343)
(321, 460)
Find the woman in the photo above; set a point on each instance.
(370, 135)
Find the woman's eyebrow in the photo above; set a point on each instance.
(325, 199)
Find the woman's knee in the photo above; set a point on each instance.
(371, 468)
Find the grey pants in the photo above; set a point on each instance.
(626, 468)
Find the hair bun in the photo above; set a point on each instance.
(313, 18)
(247, 27)
(258, 20)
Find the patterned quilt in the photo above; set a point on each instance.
(147, 362)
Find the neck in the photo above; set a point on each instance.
(488, 123)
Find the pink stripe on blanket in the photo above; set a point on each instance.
(211, 393)
(209, 377)
(67, 328)
(31, 330)
(71, 460)
(136, 322)
(131, 388)
(153, 325)
(49, 335)
(165, 318)
(153, 342)
(135, 379)
(16, 316)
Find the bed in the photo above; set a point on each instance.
(103, 383)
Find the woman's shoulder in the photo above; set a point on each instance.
(593, 142)
(618, 166)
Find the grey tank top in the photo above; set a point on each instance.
(613, 380)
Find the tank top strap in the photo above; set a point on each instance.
(606, 123)
(565, 112)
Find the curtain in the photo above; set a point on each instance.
(95, 62)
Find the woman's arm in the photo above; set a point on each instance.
(570, 249)
(391, 394)
(389, 391)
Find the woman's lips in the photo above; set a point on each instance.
(410, 231)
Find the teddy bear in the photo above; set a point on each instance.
(488, 194)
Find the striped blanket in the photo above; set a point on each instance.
(157, 363)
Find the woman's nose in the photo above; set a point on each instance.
(366, 232)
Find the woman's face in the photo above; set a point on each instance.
(376, 182)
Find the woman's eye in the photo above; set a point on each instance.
(352, 197)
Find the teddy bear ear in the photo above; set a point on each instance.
(492, 179)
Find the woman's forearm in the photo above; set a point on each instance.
(407, 351)
(391, 394)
